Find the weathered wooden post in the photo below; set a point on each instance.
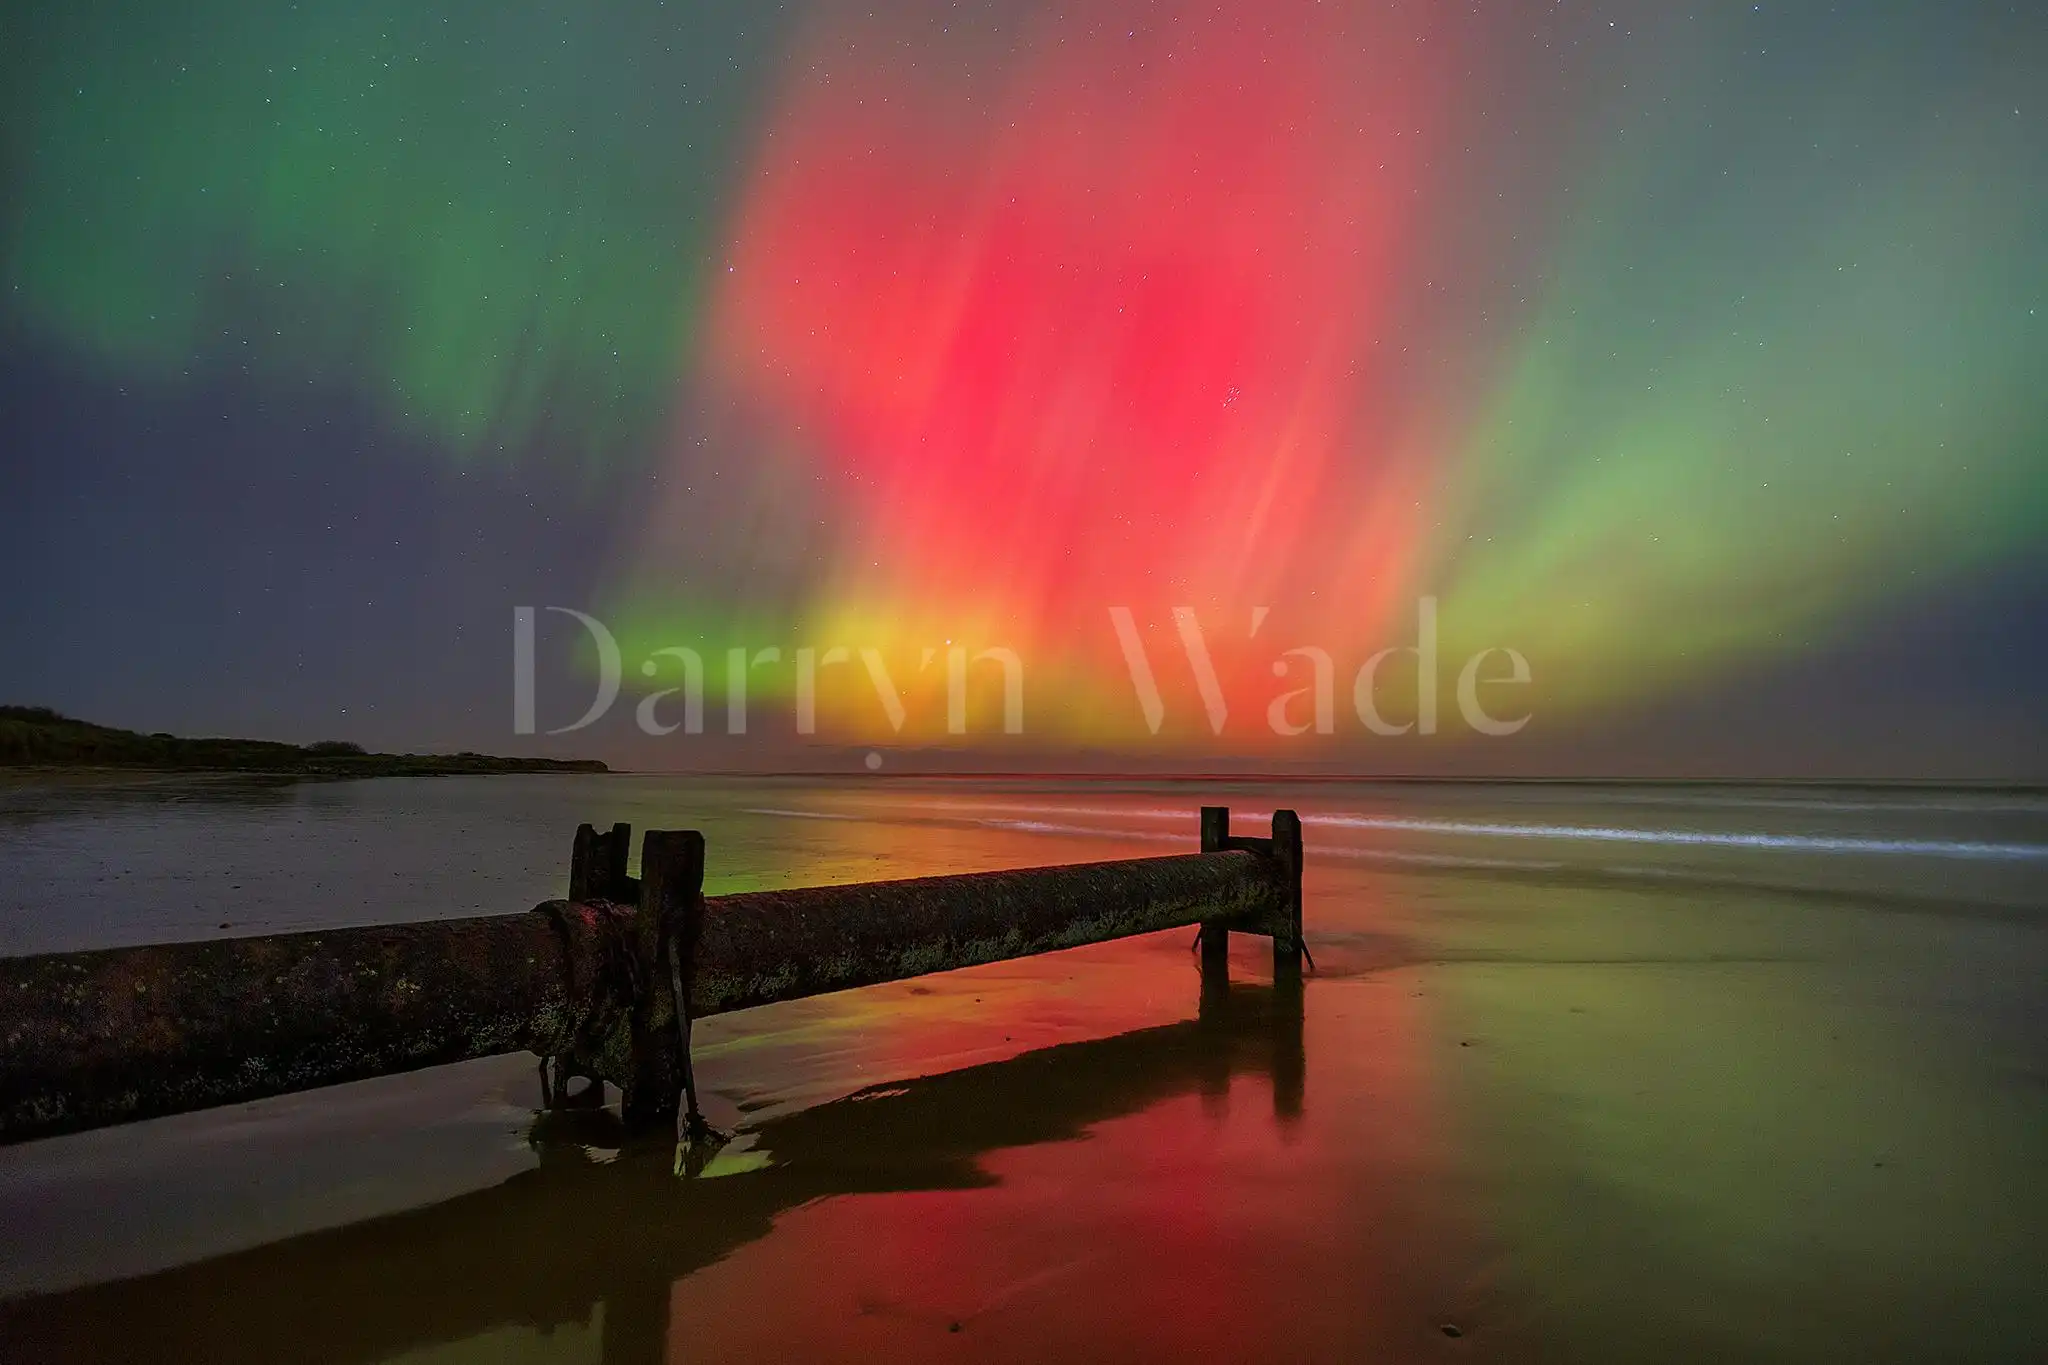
(1215, 938)
(1287, 946)
(597, 877)
(665, 933)
(1284, 847)
(597, 866)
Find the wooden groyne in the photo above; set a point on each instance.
(602, 985)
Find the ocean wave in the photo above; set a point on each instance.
(1754, 840)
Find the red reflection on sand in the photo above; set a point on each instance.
(1192, 1196)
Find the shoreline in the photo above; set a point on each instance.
(40, 739)
(1970, 786)
(395, 765)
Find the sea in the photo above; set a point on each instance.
(1579, 1072)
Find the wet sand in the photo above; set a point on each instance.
(1563, 1112)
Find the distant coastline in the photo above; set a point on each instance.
(35, 737)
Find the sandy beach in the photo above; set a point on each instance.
(1553, 1112)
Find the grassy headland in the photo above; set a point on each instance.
(35, 736)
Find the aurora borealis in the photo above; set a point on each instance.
(1692, 352)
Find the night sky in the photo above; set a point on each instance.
(1694, 352)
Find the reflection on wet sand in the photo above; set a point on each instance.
(597, 1235)
(1584, 1102)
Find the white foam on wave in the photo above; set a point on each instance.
(1621, 834)
(1691, 838)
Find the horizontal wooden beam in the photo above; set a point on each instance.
(113, 1036)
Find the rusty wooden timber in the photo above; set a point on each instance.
(590, 983)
